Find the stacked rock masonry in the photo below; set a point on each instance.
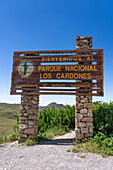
(83, 118)
(28, 123)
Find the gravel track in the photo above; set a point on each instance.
(50, 155)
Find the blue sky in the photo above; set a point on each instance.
(53, 25)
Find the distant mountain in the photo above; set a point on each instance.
(56, 106)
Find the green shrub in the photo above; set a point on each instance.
(74, 150)
(103, 118)
(82, 156)
(17, 122)
(98, 144)
(57, 122)
(68, 150)
(61, 118)
(11, 136)
(65, 118)
(30, 142)
(105, 144)
(50, 133)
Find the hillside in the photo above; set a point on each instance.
(9, 110)
(7, 118)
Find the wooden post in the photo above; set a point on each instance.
(28, 127)
(83, 117)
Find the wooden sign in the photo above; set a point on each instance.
(58, 72)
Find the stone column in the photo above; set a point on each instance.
(28, 127)
(83, 117)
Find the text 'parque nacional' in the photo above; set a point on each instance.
(80, 70)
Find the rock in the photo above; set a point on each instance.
(83, 111)
(35, 106)
(30, 131)
(88, 105)
(90, 110)
(77, 130)
(35, 98)
(21, 107)
(31, 111)
(23, 126)
(79, 116)
(26, 107)
(79, 136)
(90, 124)
(90, 114)
(77, 105)
(23, 118)
(85, 47)
(77, 98)
(80, 106)
(21, 140)
(77, 47)
(78, 141)
(23, 111)
(26, 100)
(85, 42)
(76, 121)
(88, 134)
(21, 131)
(34, 102)
(32, 117)
(23, 135)
(82, 101)
(80, 124)
(84, 130)
(85, 100)
(25, 114)
(30, 123)
(85, 114)
(91, 129)
(87, 119)
(21, 114)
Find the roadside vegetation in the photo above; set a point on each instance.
(8, 122)
(102, 142)
(54, 122)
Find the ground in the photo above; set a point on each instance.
(51, 155)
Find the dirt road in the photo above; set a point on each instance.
(50, 155)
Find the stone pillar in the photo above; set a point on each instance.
(83, 117)
(28, 127)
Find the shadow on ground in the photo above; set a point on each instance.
(57, 142)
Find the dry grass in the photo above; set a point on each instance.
(6, 127)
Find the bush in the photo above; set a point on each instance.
(61, 118)
(103, 118)
(98, 144)
(30, 142)
(57, 122)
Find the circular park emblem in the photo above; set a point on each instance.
(25, 69)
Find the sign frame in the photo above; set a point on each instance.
(34, 84)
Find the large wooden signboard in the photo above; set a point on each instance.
(58, 72)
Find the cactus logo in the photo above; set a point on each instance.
(25, 69)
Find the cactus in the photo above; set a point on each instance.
(25, 68)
